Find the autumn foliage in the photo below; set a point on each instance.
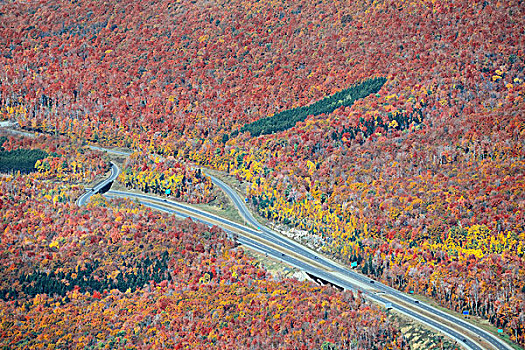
(61, 158)
(421, 183)
(117, 275)
(167, 177)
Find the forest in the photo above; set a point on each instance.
(168, 177)
(22, 160)
(117, 275)
(287, 119)
(421, 183)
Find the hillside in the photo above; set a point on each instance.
(421, 183)
(116, 275)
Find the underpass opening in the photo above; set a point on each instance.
(323, 282)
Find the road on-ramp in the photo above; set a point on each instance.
(267, 241)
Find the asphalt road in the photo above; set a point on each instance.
(112, 151)
(458, 322)
(84, 198)
(277, 246)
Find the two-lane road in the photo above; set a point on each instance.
(494, 341)
(273, 244)
(292, 255)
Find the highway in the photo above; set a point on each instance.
(389, 291)
(279, 247)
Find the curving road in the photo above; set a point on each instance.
(494, 341)
(273, 244)
(84, 198)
